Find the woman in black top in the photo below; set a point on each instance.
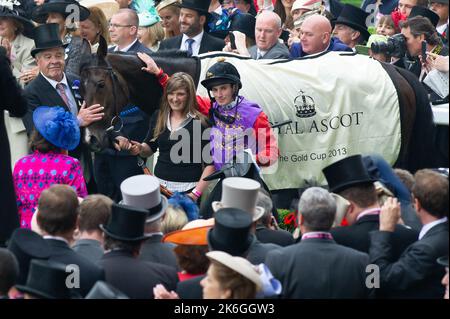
(177, 130)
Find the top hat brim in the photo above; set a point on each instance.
(114, 236)
(364, 32)
(40, 14)
(343, 186)
(235, 251)
(193, 7)
(38, 293)
(219, 80)
(48, 46)
(257, 214)
(164, 205)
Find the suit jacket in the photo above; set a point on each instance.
(278, 237)
(190, 289)
(11, 99)
(134, 277)
(357, 236)
(278, 51)
(90, 273)
(136, 47)
(89, 248)
(416, 274)
(319, 269)
(258, 251)
(208, 44)
(156, 251)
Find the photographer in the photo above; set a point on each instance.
(11, 100)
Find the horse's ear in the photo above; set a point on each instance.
(102, 50)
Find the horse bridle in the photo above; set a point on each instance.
(113, 76)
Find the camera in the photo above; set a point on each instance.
(395, 46)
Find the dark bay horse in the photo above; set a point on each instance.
(116, 80)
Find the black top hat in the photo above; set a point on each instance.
(346, 173)
(244, 23)
(201, 6)
(231, 231)
(126, 223)
(103, 290)
(40, 13)
(355, 18)
(18, 14)
(222, 73)
(27, 245)
(426, 13)
(46, 280)
(46, 36)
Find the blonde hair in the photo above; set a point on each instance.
(175, 9)
(174, 219)
(154, 35)
(98, 18)
(178, 81)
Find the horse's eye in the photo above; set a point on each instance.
(101, 85)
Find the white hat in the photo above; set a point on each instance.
(240, 265)
(242, 193)
(109, 7)
(142, 191)
(306, 4)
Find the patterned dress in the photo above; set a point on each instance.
(36, 172)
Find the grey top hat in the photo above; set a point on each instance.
(142, 191)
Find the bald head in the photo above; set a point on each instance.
(267, 30)
(315, 34)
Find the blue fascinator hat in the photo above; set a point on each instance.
(57, 126)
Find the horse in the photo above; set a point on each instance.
(115, 80)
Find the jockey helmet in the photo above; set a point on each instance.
(222, 73)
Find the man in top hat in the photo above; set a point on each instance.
(350, 26)
(47, 280)
(267, 32)
(440, 7)
(57, 218)
(142, 191)
(415, 274)
(350, 179)
(124, 234)
(242, 193)
(53, 87)
(193, 18)
(317, 267)
(27, 245)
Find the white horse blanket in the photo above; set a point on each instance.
(339, 105)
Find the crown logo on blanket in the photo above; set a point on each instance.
(304, 105)
(9, 4)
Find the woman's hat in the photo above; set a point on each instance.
(142, 191)
(238, 264)
(355, 18)
(11, 9)
(148, 18)
(346, 173)
(27, 245)
(193, 233)
(242, 193)
(126, 223)
(57, 126)
(109, 7)
(306, 4)
(46, 280)
(64, 7)
(165, 3)
(231, 231)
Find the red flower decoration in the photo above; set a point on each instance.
(397, 16)
(290, 219)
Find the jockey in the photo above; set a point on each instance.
(238, 124)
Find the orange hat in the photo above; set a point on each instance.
(193, 233)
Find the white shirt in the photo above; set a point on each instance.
(426, 228)
(73, 103)
(116, 49)
(260, 54)
(195, 46)
(56, 238)
(441, 29)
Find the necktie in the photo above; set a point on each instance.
(62, 92)
(190, 42)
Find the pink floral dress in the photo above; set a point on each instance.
(37, 172)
